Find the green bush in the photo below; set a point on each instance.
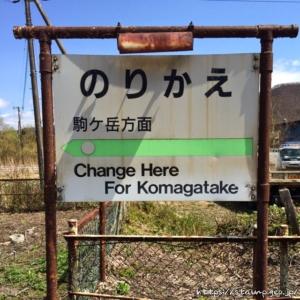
(277, 217)
(237, 224)
(11, 150)
(158, 218)
(127, 272)
(190, 219)
(24, 276)
(123, 288)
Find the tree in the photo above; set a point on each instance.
(3, 125)
(10, 150)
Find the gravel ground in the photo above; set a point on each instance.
(154, 271)
(31, 225)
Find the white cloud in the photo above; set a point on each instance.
(285, 77)
(296, 63)
(28, 118)
(3, 103)
(286, 71)
(11, 118)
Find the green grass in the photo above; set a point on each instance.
(31, 274)
(25, 276)
(123, 288)
(157, 218)
(10, 142)
(192, 218)
(62, 265)
(277, 216)
(127, 272)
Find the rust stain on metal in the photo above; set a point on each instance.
(104, 296)
(263, 186)
(265, 33)
(155, 42)
(49, 165)
(178, 238)
(110, 32)
(87, 218)
(72, 257)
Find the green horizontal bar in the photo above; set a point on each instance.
(163, 147)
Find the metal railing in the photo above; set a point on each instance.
(181, 267)
(88, 258)
(20, 194)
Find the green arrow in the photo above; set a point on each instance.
(160, 147)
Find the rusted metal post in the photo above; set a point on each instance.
(284, 260)
(177, 238)
(263, 187)
(290, 210)
(47, 21)
(71, 266)
(254, 234)
(73, 230)
(111, 32)
(102, 226)
(49, 171)
(265, 33)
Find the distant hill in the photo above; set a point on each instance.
(286, 113)
(286, 103)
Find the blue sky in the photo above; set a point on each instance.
(136, 12)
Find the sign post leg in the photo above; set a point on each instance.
(49, 172)
(263, 192)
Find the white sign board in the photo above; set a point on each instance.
(156, 127)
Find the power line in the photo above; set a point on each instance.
(45, 18)
(257, 1)
(47, 21)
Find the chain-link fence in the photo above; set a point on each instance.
(20, 194)
(27, 195)
(181, 268)
(88, 258)
(277, 260)
(174, 270)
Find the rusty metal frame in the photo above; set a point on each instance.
(266, 33)
(50, 195)
(111, 32)
(103, 296)
(87, 218)
(19, 179)
(73, 239)
(178, 238)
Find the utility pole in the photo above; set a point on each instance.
(35, 95)
(48, 23)
(20, 133)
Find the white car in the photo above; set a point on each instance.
(289, 155)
